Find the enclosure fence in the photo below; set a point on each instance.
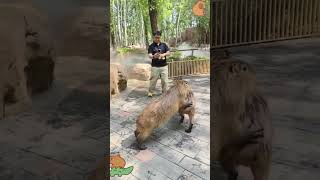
(240, 22)
(188, 67)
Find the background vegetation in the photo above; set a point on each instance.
(132, 22)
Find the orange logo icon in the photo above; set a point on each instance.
(198, 8)
(118, 166)
(117, 161)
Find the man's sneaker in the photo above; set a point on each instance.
(149, 94)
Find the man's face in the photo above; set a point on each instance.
(156, 38)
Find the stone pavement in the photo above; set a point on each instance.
(63, 135)
(172, 153)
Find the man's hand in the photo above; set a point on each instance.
(156, 56)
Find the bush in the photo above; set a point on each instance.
(175, 56)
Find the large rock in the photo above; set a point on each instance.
(113, 81)
(140, 72)
(19, 58)
(40, 56)
(118, 78)
(13, 89)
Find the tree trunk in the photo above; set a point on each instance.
(177, 26)
(153, 15)
(146, 33)
(113, 41)
(113, 27)
(125, 23)
(119, 22)
(143, 38)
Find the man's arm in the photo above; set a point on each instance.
(155, 56)
(165, 54)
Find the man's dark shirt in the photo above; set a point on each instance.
(153, 49)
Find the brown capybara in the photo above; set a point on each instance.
(178, 98)
(242, 131)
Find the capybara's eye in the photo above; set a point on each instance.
(244, 68)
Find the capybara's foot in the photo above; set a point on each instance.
(182, 118)
(189, 129)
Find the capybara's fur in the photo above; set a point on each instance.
(179, 98)
(242, 131)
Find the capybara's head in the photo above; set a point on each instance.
(181, 86)
(233, 80)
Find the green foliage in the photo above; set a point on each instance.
(130, 21)
(175, 56)
(193, 58)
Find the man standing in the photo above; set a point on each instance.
(157, 52)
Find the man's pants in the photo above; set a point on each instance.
(156, 73)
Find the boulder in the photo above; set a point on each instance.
(40, 56)
(13, 89)
(140, 72)
(122, 77)
(118, 78)
(113, 81)
(22, 58)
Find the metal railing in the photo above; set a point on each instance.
(188, 67)
(240, 22)
(192, 49)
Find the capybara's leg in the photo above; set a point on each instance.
(191, 122)
(182, 118)
(260, 169)
(181, 112)
(141, 137)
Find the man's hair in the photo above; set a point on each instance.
(157, 33)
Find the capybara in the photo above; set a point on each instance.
(178, 98)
